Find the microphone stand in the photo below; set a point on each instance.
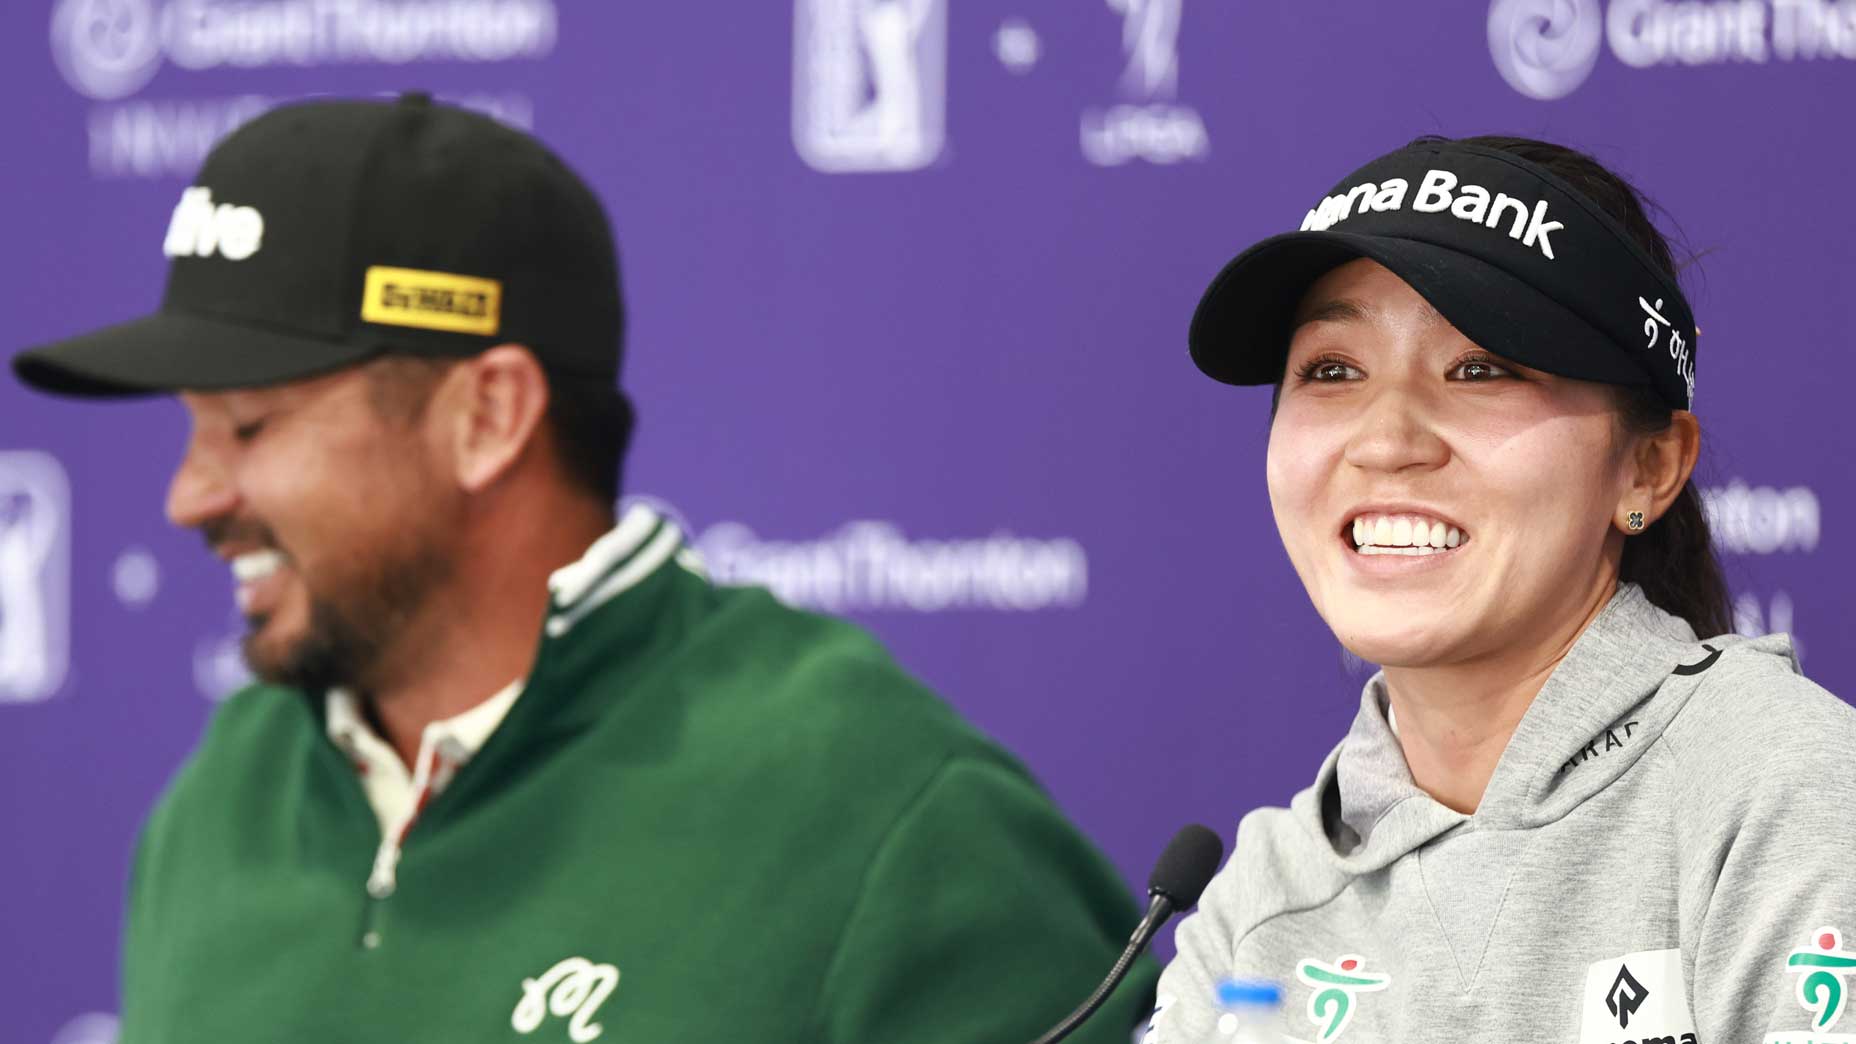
(1159, 909)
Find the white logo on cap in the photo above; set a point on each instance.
(106, 48)
(1437, 193)
(869, 83)
(1654, 325)
(1545, 48)
(200, 229)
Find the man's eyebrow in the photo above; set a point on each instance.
(1339, 310)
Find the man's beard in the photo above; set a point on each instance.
(350, 633)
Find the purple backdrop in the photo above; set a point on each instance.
(909, 283)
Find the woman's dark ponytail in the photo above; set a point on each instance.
(1673, 560)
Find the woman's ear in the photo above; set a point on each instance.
(497, 401)
(1660, 466)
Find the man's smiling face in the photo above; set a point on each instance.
(328, 505)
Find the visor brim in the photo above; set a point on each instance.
(170, 352)
(1241, 329)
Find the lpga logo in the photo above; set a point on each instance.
(1545, 48)
(1821, 989)
(1148, 124)
(1331, 1005)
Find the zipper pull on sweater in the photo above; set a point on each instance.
(384, 878)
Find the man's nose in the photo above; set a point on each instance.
(201, 489)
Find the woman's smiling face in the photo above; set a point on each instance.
(1441, 504)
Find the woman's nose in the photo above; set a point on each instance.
(1396, 433)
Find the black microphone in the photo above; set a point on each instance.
(1182, 873)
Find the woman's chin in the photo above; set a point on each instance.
(1399, 646)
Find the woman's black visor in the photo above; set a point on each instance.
(1515, 259)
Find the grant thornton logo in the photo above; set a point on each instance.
(872, 565)
(1545, 48)
(110, 49)
(1331, 1005)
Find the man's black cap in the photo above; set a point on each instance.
(326, 233)
(1516, 259)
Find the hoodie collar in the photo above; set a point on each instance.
(1590, 722)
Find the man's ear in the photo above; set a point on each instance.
(1661, 464)
(494, 406)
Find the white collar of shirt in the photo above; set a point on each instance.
(395, 791)
(398, 793)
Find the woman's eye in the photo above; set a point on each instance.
(1478, 370)
(247, 431)
(1329, 371)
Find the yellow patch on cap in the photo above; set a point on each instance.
(432, 300)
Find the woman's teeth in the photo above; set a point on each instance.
(1404, 535)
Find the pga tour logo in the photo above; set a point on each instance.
(35, 576)
(869, 84)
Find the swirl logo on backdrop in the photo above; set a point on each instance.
(869, 84)
(106, 48)
(110, 50)
(1149, 124)
(35, 576)
(1545, 48)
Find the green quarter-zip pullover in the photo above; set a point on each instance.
(703, 817)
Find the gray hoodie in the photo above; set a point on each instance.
(1665, 853)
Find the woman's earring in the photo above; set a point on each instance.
(1634, 522)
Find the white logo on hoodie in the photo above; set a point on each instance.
(1638, 996)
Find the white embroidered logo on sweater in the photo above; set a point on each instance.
(573, 989)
